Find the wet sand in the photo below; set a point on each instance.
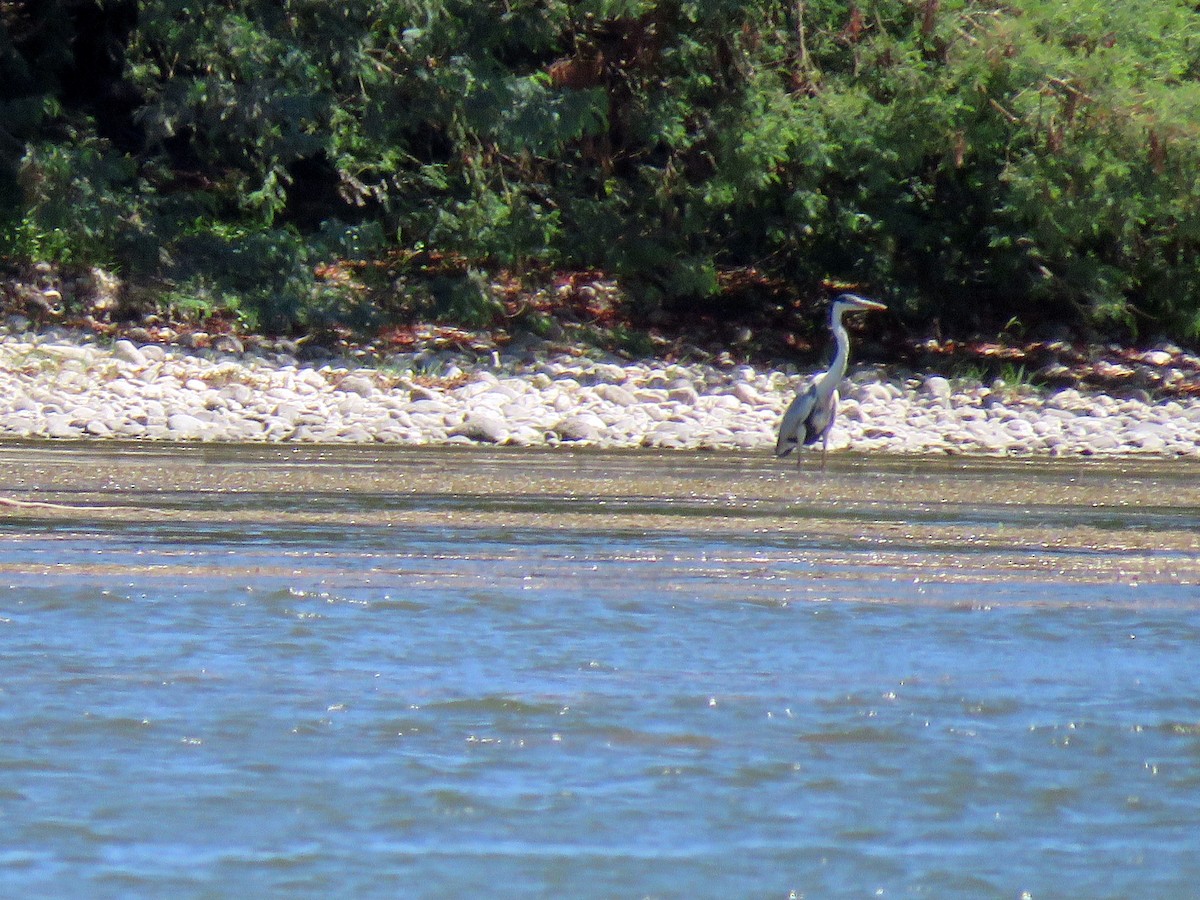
(1130, 517)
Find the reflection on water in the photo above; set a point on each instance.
(430, 673)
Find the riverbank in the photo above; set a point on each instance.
(68, 385)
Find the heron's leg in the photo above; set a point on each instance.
(833, 405)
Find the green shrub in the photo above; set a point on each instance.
(971, 160)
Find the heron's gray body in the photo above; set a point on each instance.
(809, 417)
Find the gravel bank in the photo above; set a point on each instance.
(57, 386)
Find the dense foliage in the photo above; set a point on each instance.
(974, 161)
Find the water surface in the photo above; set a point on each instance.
(361, 672)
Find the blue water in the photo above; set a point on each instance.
(435, 711)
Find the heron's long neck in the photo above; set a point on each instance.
(831, 379)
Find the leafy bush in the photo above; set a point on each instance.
(977, 161)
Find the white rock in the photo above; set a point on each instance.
(746, 393)
(420, 392)
(351, 405)
(671, 435)
(239, 393)
(355, 434)
(936, 388)
(59, 425)
(286, 413)
(358, 384)
(720, 403)
(683, 394)
(127, 352)
(428, 407)
(614, 393)
(481, 427)
(579, 428)
(21, 424)
(872, 392)
(186, 427)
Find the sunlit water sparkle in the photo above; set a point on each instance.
(410, 709)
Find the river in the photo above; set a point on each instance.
(296, 671)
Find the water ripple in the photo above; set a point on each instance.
(820, 687)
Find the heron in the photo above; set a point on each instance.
(809, 417)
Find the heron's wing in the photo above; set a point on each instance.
(820, 420)
(793, 429)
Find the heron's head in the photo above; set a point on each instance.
(845, 303)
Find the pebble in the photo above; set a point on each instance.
(127, 351)
(358, 384)
(481, 427)
(937, 388)
(588, 429)
(59, 387)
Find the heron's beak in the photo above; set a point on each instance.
(864, 304)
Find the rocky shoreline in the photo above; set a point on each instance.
(64, 385)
